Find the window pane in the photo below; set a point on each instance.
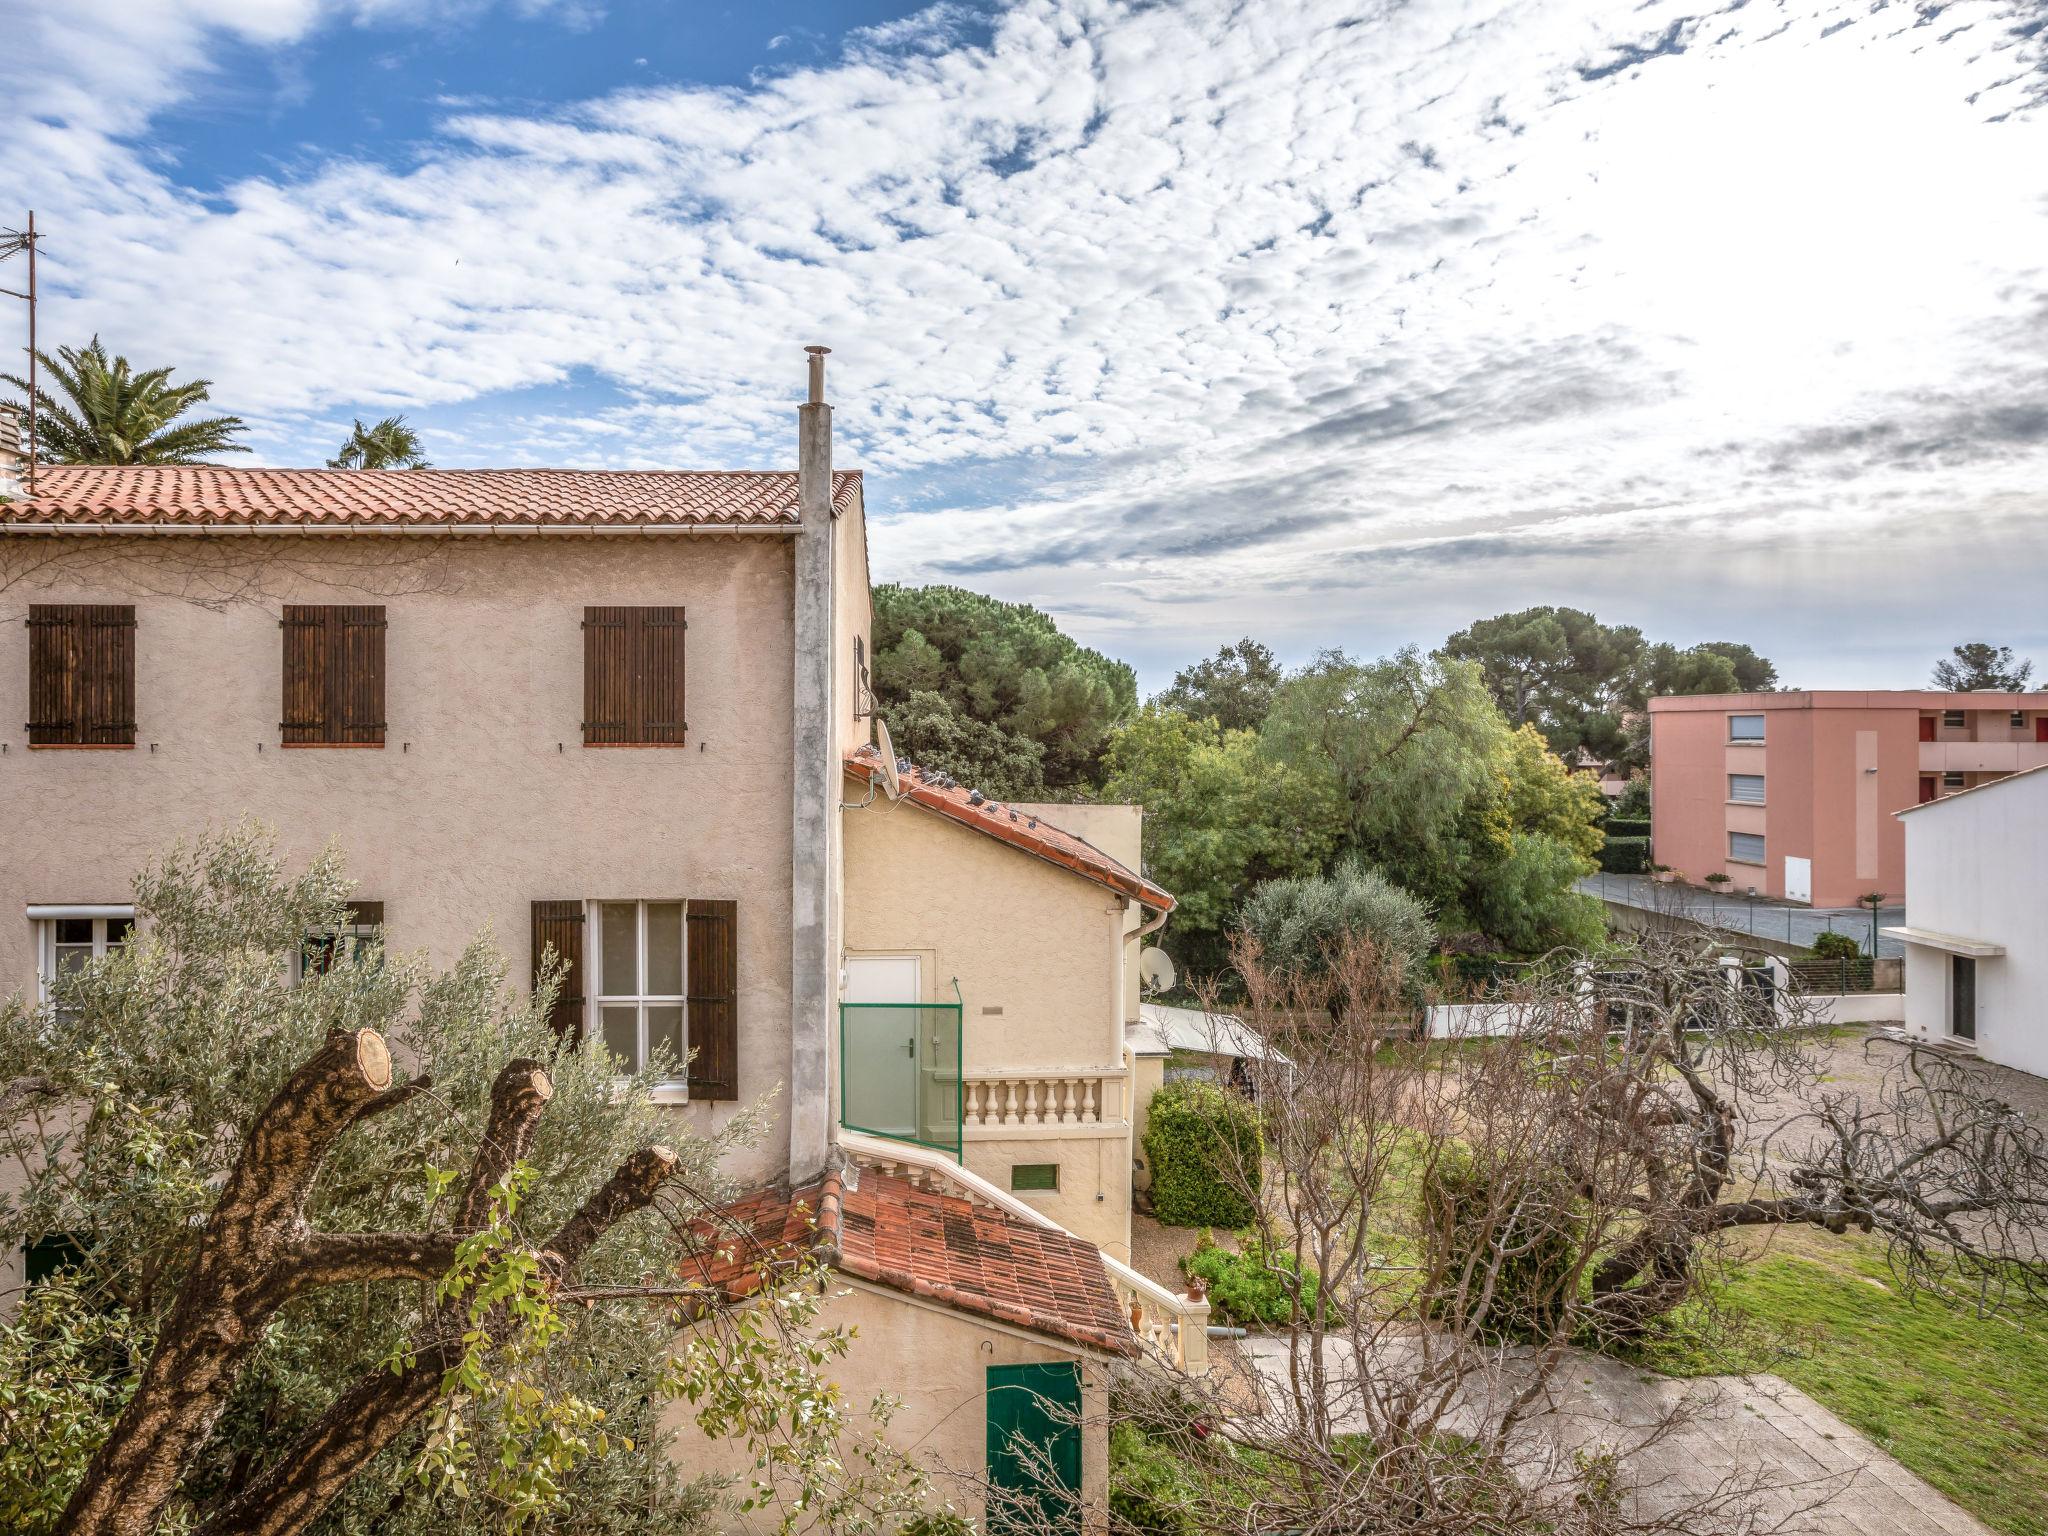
(622, 1035)
(664, 949)
(1746, 787)
(1746, 847)
(72, 958)
(1030, 1176)
(118, 929)
(665, 1031)
(1745, 727)
(620, 975)
(74, 930)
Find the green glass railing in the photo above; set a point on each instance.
(899, 1072)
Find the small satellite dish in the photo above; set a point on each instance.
(891, 785)
(1155, 970)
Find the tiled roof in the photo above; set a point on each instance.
(923, 1243)
(1023, 830)
(207, 495)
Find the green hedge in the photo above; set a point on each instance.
(1836, 946)
(1627, 826)
(1625, 856)
(1466, 1215)
(1195, 1130)
(1151, 1490)
(1244, 1288)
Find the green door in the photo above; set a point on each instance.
(1034, 1448)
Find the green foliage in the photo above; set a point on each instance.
(1005, 666)
(1836, 946)
(1515, 1231)
(1626, 856)
(1235, 687)
(1527, 900)
(1626, 826)
(1197, 1130)
(1220, 816)
(1253, 1287)
(1152, 1492)
(390, 444)
(103, 412)
(67, 1367)
(174, 1041)
(1634, 803)
(935, 734)
(943, 1522)
(1540, 795)
(1300, 923)
(1977, 665)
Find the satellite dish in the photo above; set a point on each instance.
(891, 785)
(1155, 970)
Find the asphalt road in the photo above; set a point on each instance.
(1786, 923)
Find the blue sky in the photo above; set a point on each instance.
(1327, 322)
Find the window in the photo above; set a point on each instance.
(1745, 847)
(333, 675)
(633, 677)
(1952, 781)
(667, 973)
(2019, 720)
(1952, 719)
(1033, 1178)
(639, 993)
(69, 938)
(861, 704)
(81, 675)
(321, 952)
(1746, 787)
(50, 1255)
(1745, 727)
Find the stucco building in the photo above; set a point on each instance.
(1793, 794)
(622, 718)
(1977, 902)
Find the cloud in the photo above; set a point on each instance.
(1189, 309)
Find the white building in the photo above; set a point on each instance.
(1977, 893)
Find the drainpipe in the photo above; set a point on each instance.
(815, 798)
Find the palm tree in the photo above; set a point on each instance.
(390, 444)
(115, 415)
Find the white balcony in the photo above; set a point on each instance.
(1981, 756)
(1049, 1105)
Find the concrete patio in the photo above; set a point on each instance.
(1819, 1477)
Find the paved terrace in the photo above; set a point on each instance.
(1778, 921)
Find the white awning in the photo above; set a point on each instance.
(40, 912)
(1207, 1034)
(1955, 944)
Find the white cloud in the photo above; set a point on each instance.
(1208, 317)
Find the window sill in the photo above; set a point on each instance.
(1751, 863)
(1745, 743)
(635, 746)
(331, 746)
(669, 1093)
(1755, 805)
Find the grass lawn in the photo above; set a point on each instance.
(1959, 1400)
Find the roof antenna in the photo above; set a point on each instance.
(13, 241)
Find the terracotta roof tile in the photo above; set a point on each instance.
(1026, 831)
(923, 1243)
(207, 495)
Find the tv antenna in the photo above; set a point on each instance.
(1155, 969)
(15, 242)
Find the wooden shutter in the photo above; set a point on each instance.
(713, 961)
(333, 675)
(81, 675)
(558, 925)
(633, 677)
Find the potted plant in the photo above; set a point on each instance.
(1664, 874)
(1719, 881)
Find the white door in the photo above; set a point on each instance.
(880, 1041)
(1798, 879)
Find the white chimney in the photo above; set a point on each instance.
(13, 464)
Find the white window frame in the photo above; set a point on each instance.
(1762, 858)
(675, 1089)
(46, 917)
(1954, 720)
(1740, 799)
(1733, 735)
(1954, 783)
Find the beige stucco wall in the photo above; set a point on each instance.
(1148, 1076)
(1038, 952)
(1119, 831)
(484, 800)
(934, 1361)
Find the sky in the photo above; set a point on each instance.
(1334, 324)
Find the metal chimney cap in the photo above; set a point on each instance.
(817, 351)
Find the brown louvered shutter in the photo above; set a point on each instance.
(333, 675)
(714, 971)
(633, 677)
(81, 688)
(558, 926)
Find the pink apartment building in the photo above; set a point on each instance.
(1792, 794)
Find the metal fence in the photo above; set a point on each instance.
(899, 1072)
(1844, 975)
